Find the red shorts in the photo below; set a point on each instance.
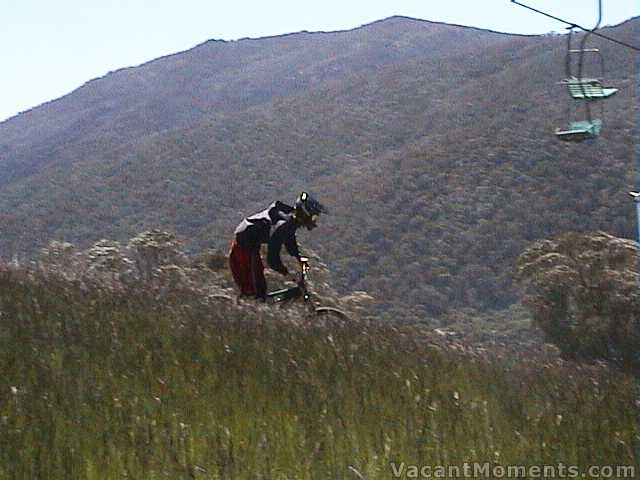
(248, 270)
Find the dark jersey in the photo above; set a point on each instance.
(274, 226)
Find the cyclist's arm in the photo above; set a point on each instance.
(283, 234)
(291, 243)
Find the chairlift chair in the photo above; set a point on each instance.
(586, 89)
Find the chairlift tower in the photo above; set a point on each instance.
(636, 147)
(636, 198)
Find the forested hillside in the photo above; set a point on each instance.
(431, 144)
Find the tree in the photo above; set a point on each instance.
(583, 290)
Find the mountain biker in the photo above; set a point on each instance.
(275, 226)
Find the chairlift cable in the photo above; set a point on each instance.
(575, 25)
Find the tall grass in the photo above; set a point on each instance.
(98, 385)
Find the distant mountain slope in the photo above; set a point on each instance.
(431, 143)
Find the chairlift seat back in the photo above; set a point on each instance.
(588, 89)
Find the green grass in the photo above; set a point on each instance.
(96, 385)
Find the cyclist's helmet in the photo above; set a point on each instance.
(308, 209)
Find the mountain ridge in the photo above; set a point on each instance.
(284, 35)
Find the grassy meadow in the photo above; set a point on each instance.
(100, 385)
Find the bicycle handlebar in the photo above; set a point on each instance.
(304, 266)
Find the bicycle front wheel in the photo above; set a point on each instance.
(331, 313)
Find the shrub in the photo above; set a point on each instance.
(583, 292)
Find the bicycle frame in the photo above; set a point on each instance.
(292, 293)
(300, 290)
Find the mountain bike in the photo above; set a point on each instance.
(301, 290)
(286, 296)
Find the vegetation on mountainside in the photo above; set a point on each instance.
(431, 144)
(155, 261)
(104, 384)
(583, 291)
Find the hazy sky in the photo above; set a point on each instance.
(49, 48)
